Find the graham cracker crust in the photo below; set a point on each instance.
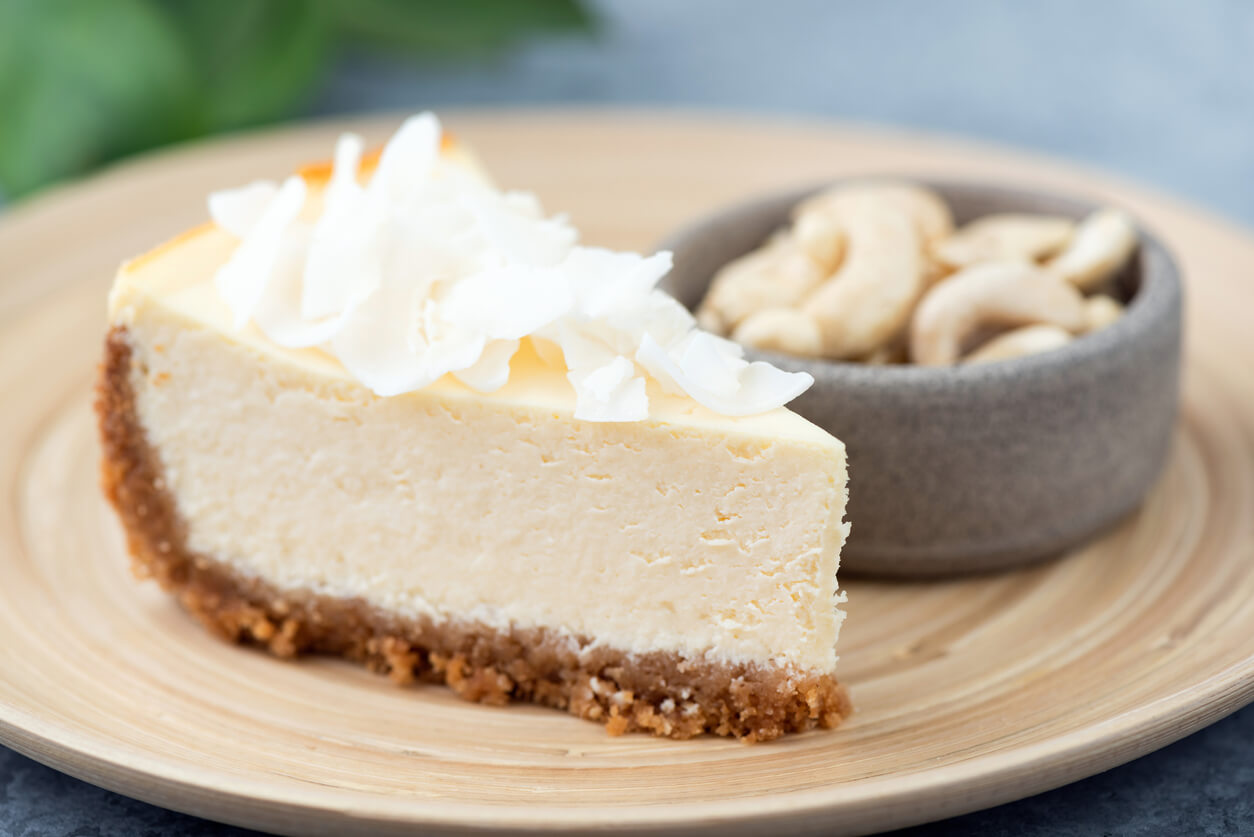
(662, 693)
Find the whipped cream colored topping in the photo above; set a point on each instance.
(427, 270)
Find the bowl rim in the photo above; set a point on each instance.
(1157, 301)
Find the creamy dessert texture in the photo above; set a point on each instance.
(400, 415)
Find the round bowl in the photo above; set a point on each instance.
(986, 466)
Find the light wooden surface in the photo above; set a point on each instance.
(968, 693)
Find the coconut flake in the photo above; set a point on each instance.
(549, 352)
(608, 282)
(428, 271)
(379, 348)
(515, 228)
(612, 392)
(508, 303)
(407, 161)
(759, 385)
(238, 210)
(243, 279)
(582, 350)
(491, 371)
(345, 254)
(276, 312)
(661, 317)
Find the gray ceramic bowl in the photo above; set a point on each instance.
(988, 466)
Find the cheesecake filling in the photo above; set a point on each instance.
(505, 511)
(658, 691)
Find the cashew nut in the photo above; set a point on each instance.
(991, 294)
(1102, 244)
(927, 209)
(781, 330)
(1100, 311)
(710, 320)
(777, 275)
(873, 268)
(870, 297)
(1028, 340)
(1007, 235)
(934, 271)
(820, 236)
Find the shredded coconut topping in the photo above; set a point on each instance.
(427, 270)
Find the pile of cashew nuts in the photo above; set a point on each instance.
(875, 272)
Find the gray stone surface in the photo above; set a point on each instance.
(1159, 90)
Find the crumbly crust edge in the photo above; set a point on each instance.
(660, 692)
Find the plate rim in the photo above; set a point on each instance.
(1225, 692)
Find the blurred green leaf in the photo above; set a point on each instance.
(442, 26)
(82, 81)
(255, 59)
(85, 81)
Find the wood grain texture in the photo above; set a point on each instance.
(968, 692)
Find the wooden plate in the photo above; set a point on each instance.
(969, 693)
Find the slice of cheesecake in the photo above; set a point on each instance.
(459, 447)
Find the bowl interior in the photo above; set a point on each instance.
(701, 249)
